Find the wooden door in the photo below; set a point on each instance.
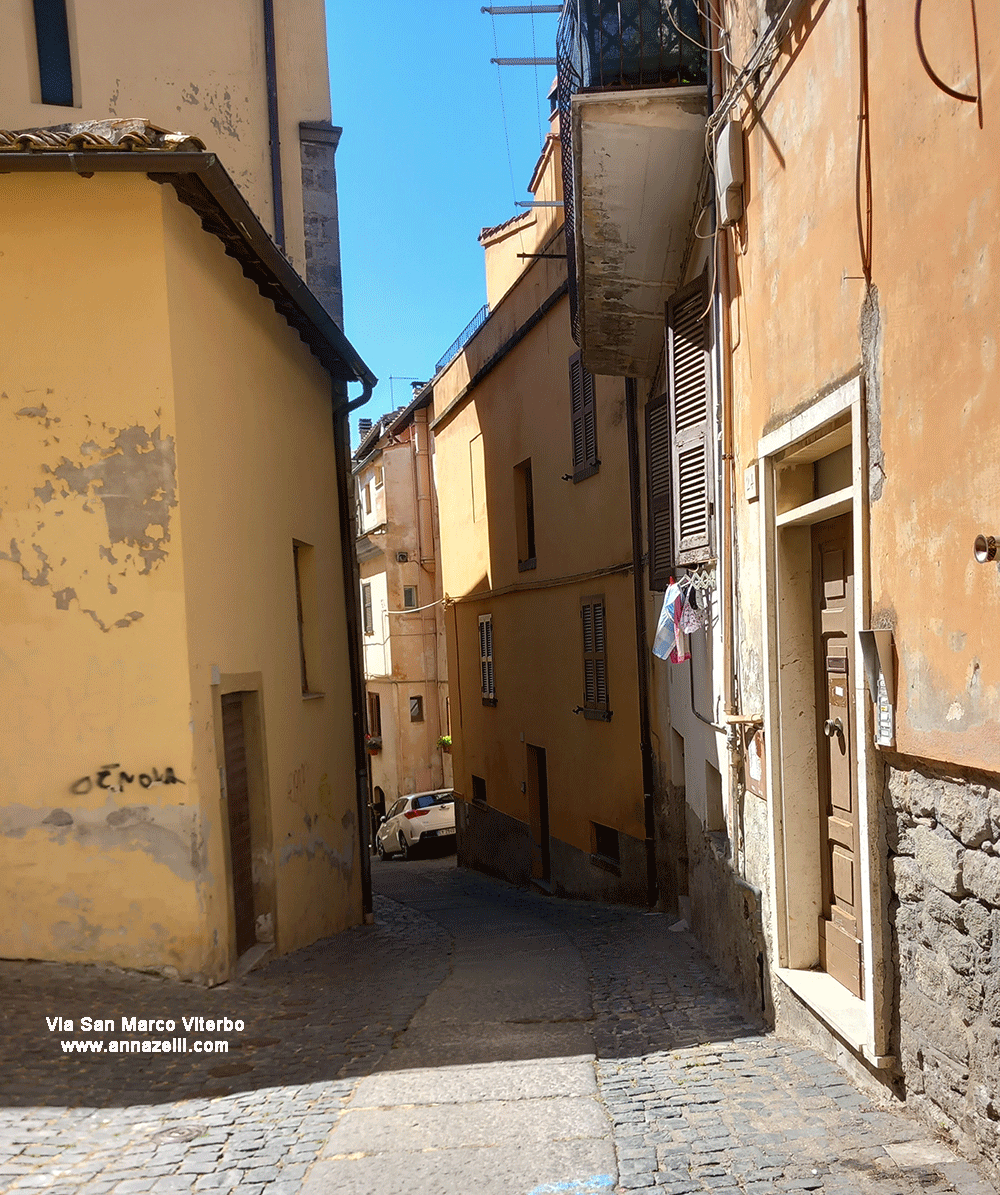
(538, 812)
(840, 929)
(238, 802)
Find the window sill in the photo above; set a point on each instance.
(606, 864)
(845, 1014)
(586, 471)
(525, 566)
(312, 696)
(489, 701)
(598, 715)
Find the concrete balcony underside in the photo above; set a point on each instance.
(637, 163)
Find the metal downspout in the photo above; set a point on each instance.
(352, 586)
(641, 647)
(271, 71)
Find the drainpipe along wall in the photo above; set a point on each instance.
(271, 72)
(352, 589)
(641, 646)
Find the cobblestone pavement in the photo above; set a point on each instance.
(692, 1097)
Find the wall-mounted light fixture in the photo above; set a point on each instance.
(985, 548)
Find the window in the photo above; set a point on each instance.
(366, 609)
(659, 492)
(583, 411)
(478, 790)
(524, 513)
(691, 445)
(374, 715)
(486, 659)
(306, 613)
(595, 660)
(378, 477)
(607, 847)
(409, 597)
(416, 709)
(55, 68)
(368, 499)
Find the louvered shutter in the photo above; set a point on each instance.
(486, 656)
(583, 410)
(660, 492)
(689, 391)
(595, 657)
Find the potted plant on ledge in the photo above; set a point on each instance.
(373, 744)
(444, 742)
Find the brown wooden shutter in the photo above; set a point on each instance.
(486, 657)
(583, 409)
(595, 654)
(689, 390)
(660, 492)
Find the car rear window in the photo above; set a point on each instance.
(429, 799)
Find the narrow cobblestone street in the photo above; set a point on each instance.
(476, 1038)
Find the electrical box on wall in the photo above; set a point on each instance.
(729, 173)
(880, 669)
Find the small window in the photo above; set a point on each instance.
(409, 597)
(378, 477)
(607, 847)
(374, 714)
(55, 67)
(416, 709)
(368, 499)
(366, 609)
(595, 659)
(306, 613)
(524, 513)
(583, 411)
(486, 659)
(478, 790)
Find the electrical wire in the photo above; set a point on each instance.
(503, 112)
(416, 609)
(538, 99)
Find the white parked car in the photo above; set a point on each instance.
(418, 818)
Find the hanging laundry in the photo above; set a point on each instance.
(670, 642)
(693, 617)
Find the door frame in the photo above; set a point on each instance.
(830, 422)
(250, 686)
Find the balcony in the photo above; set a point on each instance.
(632, 104)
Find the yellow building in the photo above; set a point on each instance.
(820, 458)
(402, 616)
(180, 754)
(531, 462)
(249, 80)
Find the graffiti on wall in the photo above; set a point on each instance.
(102, 779)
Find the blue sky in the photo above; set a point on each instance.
(423, 166)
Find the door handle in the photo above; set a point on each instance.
(833, 726)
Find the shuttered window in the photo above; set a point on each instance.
(595, 658)
(660, 492)
(583, 411)
(688, 390)
(366, 607)
(486, 658)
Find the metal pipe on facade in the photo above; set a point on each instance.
(352, 601)
(271, 71)
(641, 646)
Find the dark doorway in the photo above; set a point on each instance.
(238, 802)
(538, 811)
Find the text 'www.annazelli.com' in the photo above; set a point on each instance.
(172, 1045)
(160, 1044)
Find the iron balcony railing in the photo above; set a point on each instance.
(605, 45)
(463, 338)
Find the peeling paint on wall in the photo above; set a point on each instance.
(170, 834)
(132, 480)
(870, 334)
